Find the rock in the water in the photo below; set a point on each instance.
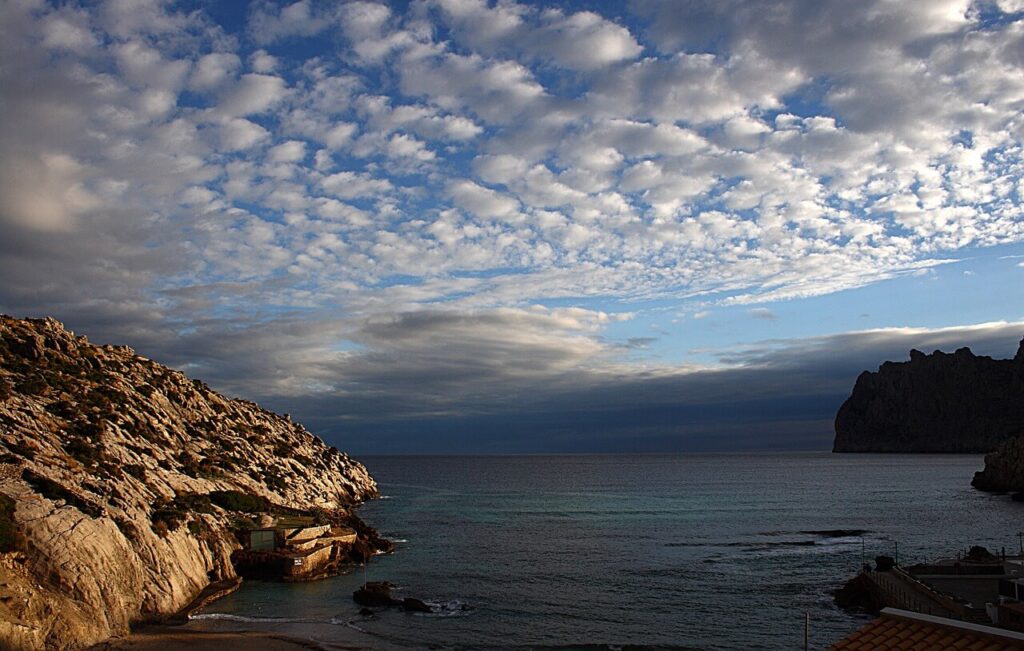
(979, 554)
(859, 595)
(941, 402)
(415, 605)
(122, 481)
(375, 594)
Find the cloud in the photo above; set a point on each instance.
(482, 202)
(128, 18)
(582, 41)
(365, 163)
(239, 133)
(762, 313)
(350, 185)
(213, 70)
(269, 22)
(287, 152)
(539, 384)
(577, 41)
(69, 29)
(253, 93)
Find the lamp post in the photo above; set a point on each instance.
(1020, 539)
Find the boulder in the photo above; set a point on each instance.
(415, 605)
(884, 563)
(858, 595)
(375, 594)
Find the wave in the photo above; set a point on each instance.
(229, 617)
(821, 533)
(449, 608)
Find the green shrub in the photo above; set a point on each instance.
(232, 500)
(160, 528)
(274, 480)
(34, 386)
(91, 429)
(53, 491)
(243, 523)
(136, 470)
(171, 514)
(84, 451)
(22, 449)
(127, 528)
(11, 538)
(189, 464)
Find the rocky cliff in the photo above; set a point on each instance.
(123, 482)
(1004, 469)
(957, 402)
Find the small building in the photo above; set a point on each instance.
(902, 629)
(261, 540)
(293, 554)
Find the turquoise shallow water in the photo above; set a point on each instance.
(664, 552)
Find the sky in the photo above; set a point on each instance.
(468, 226)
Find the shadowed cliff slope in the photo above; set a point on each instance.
(942, 402)
(121, 482)
(1004, 469)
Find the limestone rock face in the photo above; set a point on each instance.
(957, 402)
(1004, 468)
(109, 460)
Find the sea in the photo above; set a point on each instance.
(696, 551)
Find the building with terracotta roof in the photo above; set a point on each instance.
(905, 630)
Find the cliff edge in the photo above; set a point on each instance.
(123, 484)
(1004, 469)
(942, 402)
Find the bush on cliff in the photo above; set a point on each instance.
(239, 501)
(11, 538)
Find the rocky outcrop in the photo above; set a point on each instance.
(942, 402)
(123, 483)
(1004, 468)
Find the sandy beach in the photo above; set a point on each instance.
(168, 638)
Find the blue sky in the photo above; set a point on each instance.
(442, 223)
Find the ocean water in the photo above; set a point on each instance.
(653, 552)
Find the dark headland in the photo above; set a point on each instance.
(943, 402)
(128, 490)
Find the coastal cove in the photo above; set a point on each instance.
(667, 552)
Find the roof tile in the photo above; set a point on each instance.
(894, 632)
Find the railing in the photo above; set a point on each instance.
(901, 590)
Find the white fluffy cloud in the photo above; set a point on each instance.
(377, 158)
(253, 93)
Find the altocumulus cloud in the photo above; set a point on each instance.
(372, 210)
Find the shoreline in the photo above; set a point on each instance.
(163, 637)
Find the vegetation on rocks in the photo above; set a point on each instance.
(122, 483)
(11, 538)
